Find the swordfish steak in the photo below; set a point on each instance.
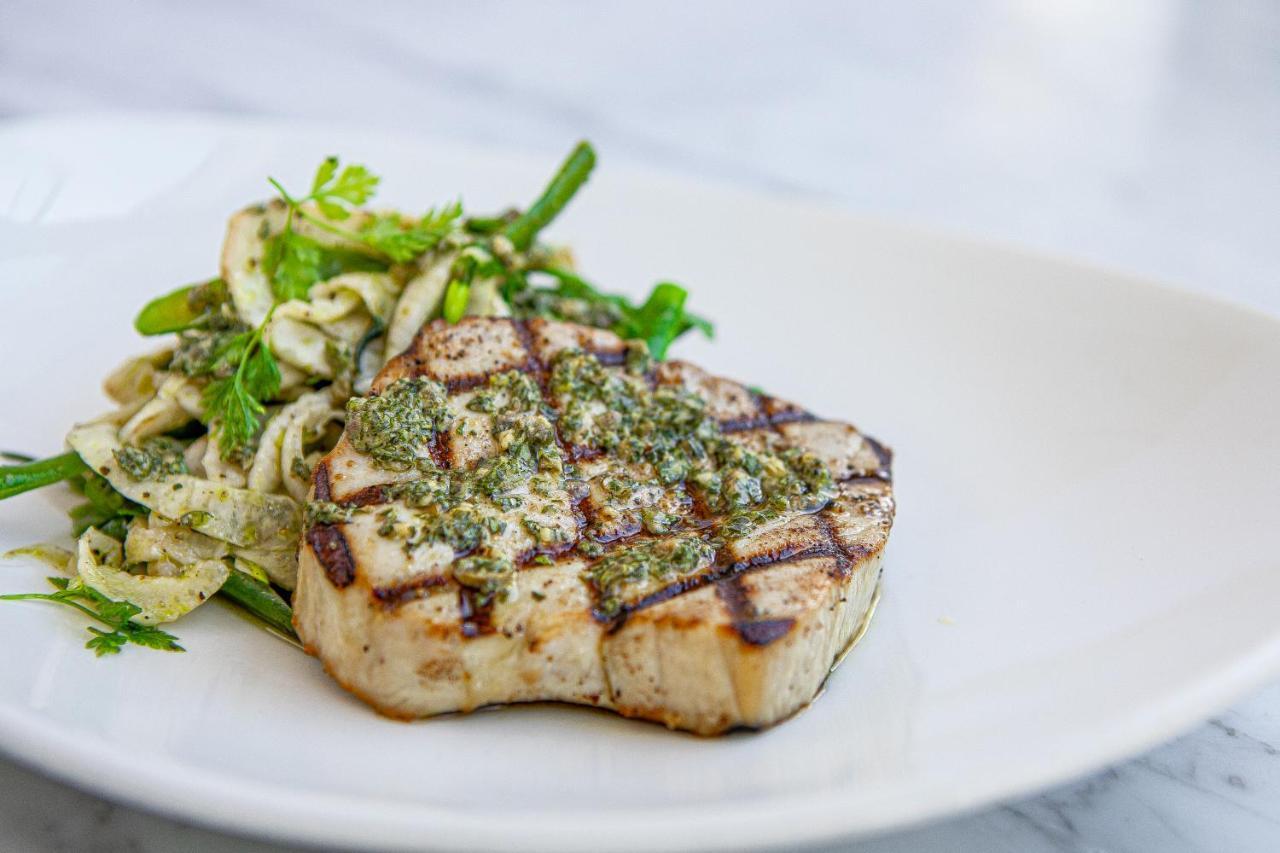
(534, 511)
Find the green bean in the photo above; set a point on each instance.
(15, 479)
(485, 224)
(260, 600)
(572, 175)
(180, 309)
(456, 297)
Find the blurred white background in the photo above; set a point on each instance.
(1142, 135)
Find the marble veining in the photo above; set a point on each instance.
(1138, 135)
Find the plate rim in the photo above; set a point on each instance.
(222, 801)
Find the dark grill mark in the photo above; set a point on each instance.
(327, 541)
(331, 549)
(786, 554)
(464, 383)
(320, 482)
(533, 364)
(742, 614)
(742, 424)
(764, 631)
(609, 358)
(667, 592)
(735, 598)
(476, 617)
(884, 455)
(844, 564)
(791, 416)
(368, 496)
(407, 591)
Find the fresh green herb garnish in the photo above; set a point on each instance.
(336, 195)
(661, 319)
(116, 615)
(403, 241)
(296, 261)
(246, 372)
(236, 401)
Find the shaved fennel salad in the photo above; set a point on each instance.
(195, 484)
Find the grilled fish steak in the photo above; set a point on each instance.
(532, 511)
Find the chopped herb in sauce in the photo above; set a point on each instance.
(396, 427)
(153, 459)
(327, 512)
(630, 573)
(463, 529)
(491, 577)
(664, 454)
(511, 392)
(669, 429)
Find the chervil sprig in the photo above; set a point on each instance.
(402, 240)
(336, 195)
(116, 615)
(236, 401)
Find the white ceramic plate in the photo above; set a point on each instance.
(1086, 559)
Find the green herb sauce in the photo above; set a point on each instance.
(634, 571)
(396, 428)
(154, 459)
(664, 444)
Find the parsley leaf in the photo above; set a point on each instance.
(336, 195)
(106, 642)
(294, 264)
(324, 174)
(354, 186)
(236, 410)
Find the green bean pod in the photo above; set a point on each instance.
(15, 479)
(180, 309)
(260, 600)
(572, 175)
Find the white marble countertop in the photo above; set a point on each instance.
(1140, 136)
